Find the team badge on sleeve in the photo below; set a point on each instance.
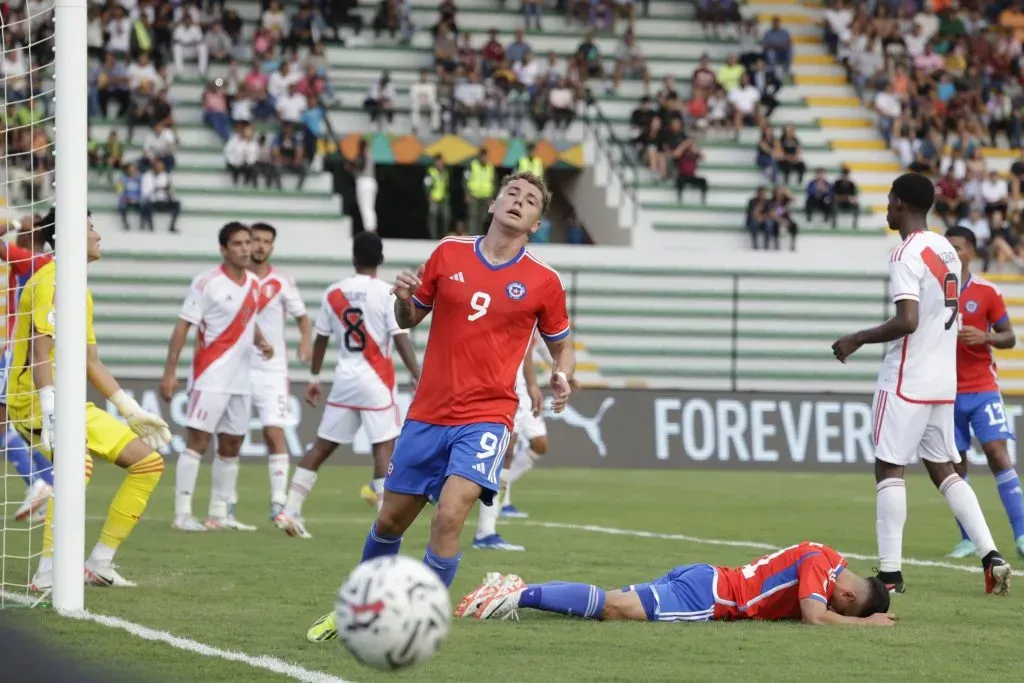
(515, 291)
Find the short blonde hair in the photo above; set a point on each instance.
(534, 180)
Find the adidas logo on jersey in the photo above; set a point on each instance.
(457, 277)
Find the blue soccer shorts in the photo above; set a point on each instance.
(684, 594)
(984, 414)
(426, 455)
(5, 364)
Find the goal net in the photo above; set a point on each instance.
(27, 174)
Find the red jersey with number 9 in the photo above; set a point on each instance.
(772, 587)
(982, 307)
(484, 317)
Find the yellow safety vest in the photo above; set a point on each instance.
(481, 180)
(439, 187)
(142, 35)
(533, 165)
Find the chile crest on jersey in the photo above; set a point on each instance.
(515, 290)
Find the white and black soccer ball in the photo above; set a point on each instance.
(393, 612)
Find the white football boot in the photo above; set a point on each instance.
(293, 526)
(36, 498)
(503, 602)
(187, 523)
(105, 574)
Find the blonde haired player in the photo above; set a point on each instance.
(30, 408)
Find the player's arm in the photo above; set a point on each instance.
(407, 352)
(316, 363)
(408, 313)
(904, 322)
(532, 383)
(265, 347)
(179, 335)
(814, 612)
(305, 337)
(556, 331)
(904, 285)
(1002, 336)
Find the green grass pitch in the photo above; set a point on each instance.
(258, 592)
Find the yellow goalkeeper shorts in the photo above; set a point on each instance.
(105, 436)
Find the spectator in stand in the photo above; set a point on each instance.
(469, 101)
(672, 141)
(1001, 118)
(290, 153)
(845, 192)
(562, 100)
(189, 42)
(446, 51)
(479, 181)
(275, 20)
(630, 62)
(518, 48)
(978, 224)
(380, 100)
(159, 146)
(219, 46)
(792, 158)
(759, 219)
(256, 84)
(718, 112)
(291, 107)
(365, 172)
(423, 100)
(532, 14)
(113, 152)
(687, 156)
(820, 198)
(1005, 246)
(768, 154)
(778, 46)
(112, 84)
(215, 109)
(495, 107)
(469, 58)
(746, 105)
(266, 164)
(119, 33)
(158, 197)
(750, 42)
(888, 107)
(950, 203)
(447, 16)
(302, 32)
(387, 18)
(588, 57)
(767, 84)
(492, 53)
(282, 79)
(313, 120)
(730, 73)
(995, 193)
(640, 125)
(702, 80)
(241, 154)
(953, 161)
(437, 185)
(527, 72)
(781, 202)
(129, 194)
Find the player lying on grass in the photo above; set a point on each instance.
(31, 410)
(807, 581)
(979, 406)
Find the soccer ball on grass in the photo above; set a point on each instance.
(392, 612)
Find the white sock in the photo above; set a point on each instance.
(487, 522)
(378, 487)
(45, 564)
(964, 503)
(224, 486)
(890, 517)
(277, 465)
(185, 475)
(102, 554)
(302, 483)
(522, 462)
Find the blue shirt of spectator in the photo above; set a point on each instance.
(820, 190)
(129, 190)
(946, 91)
(514, 52)
(543, 234)
(313, 120)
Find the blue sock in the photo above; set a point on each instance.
(444, 566)
(42, 468)
(1008, 484)
(379, 546)
(574, 599)
(18, 454)
(963, 532)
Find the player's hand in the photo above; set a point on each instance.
(561, 388)
(314, 393)
(47, 432)
(845, 347)
(266, 349)
(972, 336)
(536, 399)
(305, 352)
(407, 283)
(168, 385)
(882, 619)
(153, 431)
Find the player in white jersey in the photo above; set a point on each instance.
(222, 304)
(271, 398)
(913, 405)
(529, 427)
(359, 313)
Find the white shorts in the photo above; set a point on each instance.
(271, 398)
(216, 412)
(527, 425)
(904, 432)
(339, 425)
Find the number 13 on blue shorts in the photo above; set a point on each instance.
(427, 454)
(984, 414)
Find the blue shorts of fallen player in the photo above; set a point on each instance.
(684, 594)
(427, 454)
(984, 414)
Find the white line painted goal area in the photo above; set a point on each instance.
(753, 545)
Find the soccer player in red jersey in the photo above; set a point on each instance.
(979, 407)
(808, 582)
(487, 294)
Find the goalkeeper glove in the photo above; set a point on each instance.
(47, 434)
(153, 431)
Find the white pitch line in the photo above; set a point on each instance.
(735, 544)
(265, 662)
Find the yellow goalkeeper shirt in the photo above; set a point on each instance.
(36, 315)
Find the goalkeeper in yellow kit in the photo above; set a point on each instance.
(31, 405)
